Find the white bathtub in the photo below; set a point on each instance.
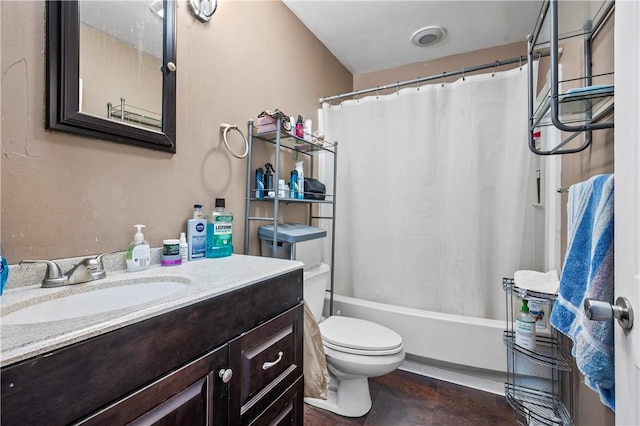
(447, 338)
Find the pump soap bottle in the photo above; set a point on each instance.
(525, 327)
(139, 253)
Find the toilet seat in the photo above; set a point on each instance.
(360, 337)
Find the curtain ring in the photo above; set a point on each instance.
(397, 88)
(494, 68)
(444, 79)
(418, 85)
(377, 92)
(463, 79)
(520, 62)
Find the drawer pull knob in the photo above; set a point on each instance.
(226, 375)
(268, 365)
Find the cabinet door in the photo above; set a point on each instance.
(191, 395)
(266, 362)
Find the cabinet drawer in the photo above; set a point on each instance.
(268, 360)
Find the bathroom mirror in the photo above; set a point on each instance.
(111, 71)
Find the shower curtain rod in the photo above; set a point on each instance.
(445, 74)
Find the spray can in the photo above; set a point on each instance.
(268, 180)
(259, 182)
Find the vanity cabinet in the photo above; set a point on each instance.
(173, 369)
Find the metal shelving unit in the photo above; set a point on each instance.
(282, 140)
(582, 109)
(535, 378)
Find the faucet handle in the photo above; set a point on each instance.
(101, 255)
(52, 276)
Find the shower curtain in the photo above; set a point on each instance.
(432, 193)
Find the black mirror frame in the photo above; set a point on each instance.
(63, 69)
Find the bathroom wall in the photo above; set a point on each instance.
(65, 195)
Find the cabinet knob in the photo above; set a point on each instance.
(598, 310)
(171, 66)
(225, 375)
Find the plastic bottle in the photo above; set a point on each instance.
(300, 180)
(293, 185)
(184, 247)
(300, 127)
(259, 182)
(307, 129)
(197, 234)
(525, 327)
(139, 253)
(4, 270)
(220, 231)
(281, 189)
(268, 180)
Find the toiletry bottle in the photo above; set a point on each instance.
(300, 180)
(293, 185)
(300, 127)
(525, 327)
(307, 129)
(4, 270)
(259, 182)
(197, 234)
(268, 180)
(184, 248)
(220, 231)
(139, 253)
(281, 188)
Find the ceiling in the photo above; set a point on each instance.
(368, 36)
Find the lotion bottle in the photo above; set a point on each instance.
(139, 253)
(525, 327)
(184, 248)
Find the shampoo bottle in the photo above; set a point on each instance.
(300, 180)
(197, 234)
(293, 185)
(139, 253)
(220, 231)
(525, 327)
(259, 182)
(300, 127)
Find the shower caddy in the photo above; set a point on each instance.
(284, 141)
(580, 110)
(535, 378)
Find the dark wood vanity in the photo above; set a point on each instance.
(171, 369)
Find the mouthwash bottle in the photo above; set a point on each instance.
(220, 232)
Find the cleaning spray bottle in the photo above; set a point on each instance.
(525, 327)
(268, 180)
(139, 253)
(300, 180)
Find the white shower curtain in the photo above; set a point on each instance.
(432, 192)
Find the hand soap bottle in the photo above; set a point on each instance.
(525, 327)
(139, 253)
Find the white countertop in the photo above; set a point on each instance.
(205, 279)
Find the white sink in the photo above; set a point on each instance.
(93, 302)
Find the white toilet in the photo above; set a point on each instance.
(355, 350)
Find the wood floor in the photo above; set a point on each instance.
(407, 399)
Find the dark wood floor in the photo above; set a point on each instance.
(407, 399)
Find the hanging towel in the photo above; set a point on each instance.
(588, 273)
(542, 282)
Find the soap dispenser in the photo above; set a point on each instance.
(139, 253)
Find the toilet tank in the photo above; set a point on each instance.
(316, 281)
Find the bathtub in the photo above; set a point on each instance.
(452, 339)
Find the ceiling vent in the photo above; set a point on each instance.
(428, 36)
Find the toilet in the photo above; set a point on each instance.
(355, 350)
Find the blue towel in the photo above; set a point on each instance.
(588, 273)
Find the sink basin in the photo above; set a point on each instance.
(93, 302)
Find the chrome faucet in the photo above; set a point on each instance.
(88, 269)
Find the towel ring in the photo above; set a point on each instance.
(224, 128)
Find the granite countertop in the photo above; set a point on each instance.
(204, 279)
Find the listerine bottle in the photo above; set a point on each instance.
(220, 231)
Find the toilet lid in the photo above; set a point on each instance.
(359, 336)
